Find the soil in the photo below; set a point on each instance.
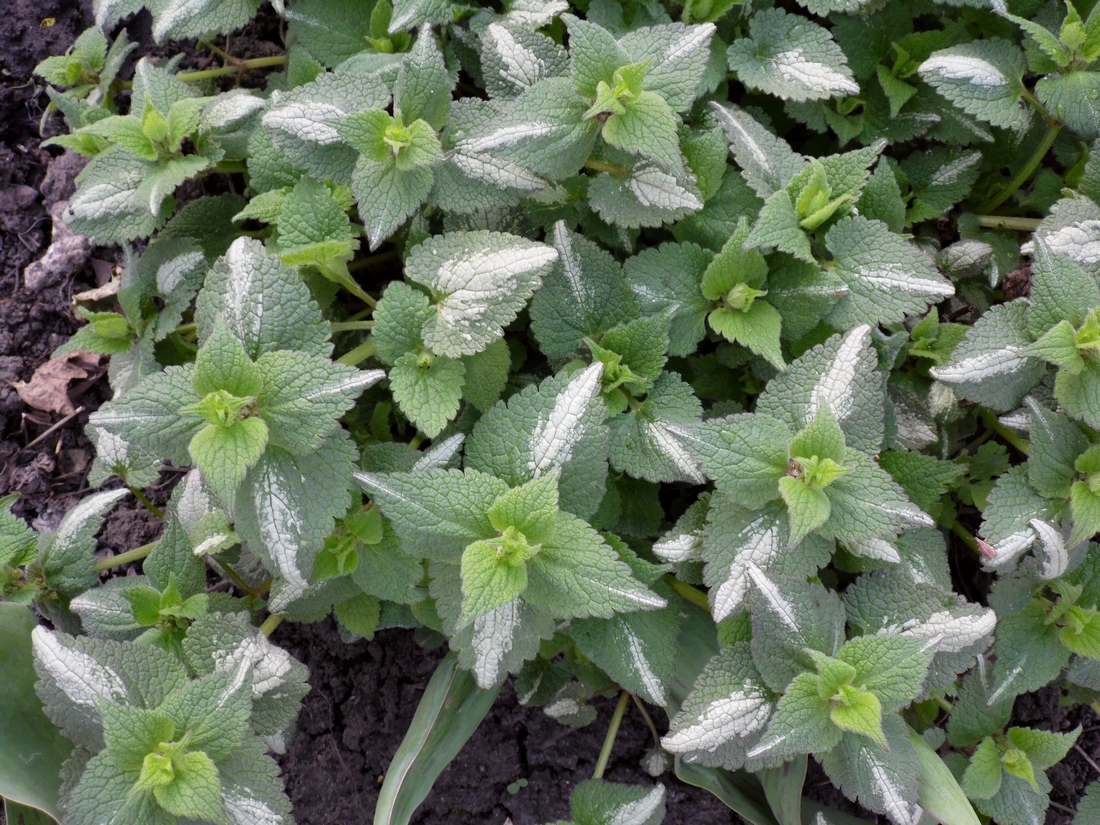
(520, 765)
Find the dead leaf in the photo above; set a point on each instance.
(100, 293)
(68, 252)
(48, 389)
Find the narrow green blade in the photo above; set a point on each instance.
(31, 747)
(783, 788)
(16, 814)
(449, 712)
(937, 790)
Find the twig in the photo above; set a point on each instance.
(136, 554)
(648, 718)
(1087, 758)
(55, 427)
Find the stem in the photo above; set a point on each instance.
(234, 577)
(648, 718)
(1001, 430)
(416, 441)
(136, 554)
(349, 326)
(358, 355)
(237, 67)
(220, 52)
(946, 706)
(1002, 222)
(270, 623)
(693, 594)
(230, 167)
(140, 496)
(1024, 175)
(612, 732)
(965, 536)
(611, 169)
(185, 329)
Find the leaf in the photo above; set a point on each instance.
(559, 423)
(107, 206)
(990, 366)
(436, 513)
(792, 58)
(767, 161)
(264, 304)
(514, 59)
(650, 196)
(642, 444)
(411, 14)
(32, 749)
(938, 791)
(399, 320)
(482, 280)
(648, 128)
(68, 560)
(1072, 99)
(887, 277)
(597, 801)
(983, 78)
(286, 506)
(428, 394)
(48, 389)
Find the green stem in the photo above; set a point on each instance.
(358, 355)
(1024, 175)
(965, 536)
(1003, 222)
(140, 496)
(1001, 430)
(946, 706)
(350, 326)
(136, 554)
(612, 733)
(234, 577)
(693, 594)
(237, 67)
(219, 52)
(230, 167)
(270, 623)
(611, 169)
(185, 329)
(416, 441)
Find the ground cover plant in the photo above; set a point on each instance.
(691, 352)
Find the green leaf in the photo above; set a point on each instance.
(224, 454)
(801, 723)
(792, 58)
(423, 87)
(1072, 99)
(668, 277)
(594, 55)
(860, 713)
(982, 779)
(34, 782)
(642, 444)
(17, 541)
(194, 791)
(315, 230)
(411, 14)
(938, 790)
(983, 78)
(745, 454)
(428, 389)
(807, 507)
(494, 572)
(68, 557)
(648, 128)
(181, 19)
(891, 667)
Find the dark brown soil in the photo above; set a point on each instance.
(364, 694)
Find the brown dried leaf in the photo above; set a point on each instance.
(48, 389)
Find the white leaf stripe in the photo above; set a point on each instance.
(977, 368)
(280, 530)
(522, 67)
(893, 799)
(562, 241)
(557, 433)
(439, 454)
(494, 637)
(737, 715)
(89, 508)
(360, 381)
(973, 70)
(639, 811)
(506, 136)
(775, 599)
(834, 388)
(642, 667)
(667, 444)
(79, 676)
(755, 546)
